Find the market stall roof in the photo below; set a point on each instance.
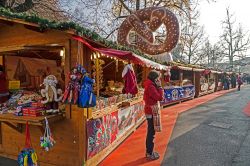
(123, 55)
(152, 64)
(43, 24)
(198, 69)
(182, 68)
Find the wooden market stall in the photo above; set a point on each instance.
(206, 81)
(181, 86)
(83, 135)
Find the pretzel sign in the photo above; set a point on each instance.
(144, 22)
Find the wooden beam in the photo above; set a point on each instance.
(8, 23)
(18, 128)
(10, 48)
(1, 135)
(34, 28)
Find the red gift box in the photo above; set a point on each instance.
(32, 111)
(37, 104)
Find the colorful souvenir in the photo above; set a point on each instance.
(72, 90)
(47, 141)
(87, 98)
(27, 157)
(50, 92)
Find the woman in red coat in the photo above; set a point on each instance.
(4, 93)
(152, 94)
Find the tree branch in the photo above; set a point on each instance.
(27, 5)
(125, 6)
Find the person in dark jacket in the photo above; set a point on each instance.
(233, 80)
(152, 94)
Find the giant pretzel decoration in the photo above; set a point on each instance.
(144, 22)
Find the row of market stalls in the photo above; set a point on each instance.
(32, 53)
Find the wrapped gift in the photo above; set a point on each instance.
(37, 104)
(32, 111)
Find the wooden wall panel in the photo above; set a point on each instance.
(11, 38)
(65, 151)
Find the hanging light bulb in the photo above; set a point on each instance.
(91, 57)
(94, 56)
(99, 55)
(61, 53)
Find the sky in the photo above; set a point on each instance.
(213, 13)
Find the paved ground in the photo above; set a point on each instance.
(213, 134)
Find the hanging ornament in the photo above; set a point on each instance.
(27, 157)
(47, 141)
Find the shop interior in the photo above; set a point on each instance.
(108, 87)
(26, 70)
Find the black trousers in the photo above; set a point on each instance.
(239, 87)
(150, 136)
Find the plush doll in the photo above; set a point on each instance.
(50, 92)
(72, 90)
(87, 98)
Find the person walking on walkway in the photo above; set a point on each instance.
(239, 81)
(233, 80)
(152, 95)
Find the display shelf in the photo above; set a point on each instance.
(108, 110)
(37, 121)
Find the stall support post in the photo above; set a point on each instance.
(216, 80)
(194, 77)
(97, 78)
(197, 84)
(82, 135)
(181, 77)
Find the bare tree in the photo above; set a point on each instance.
(105, 16)
(210, 54)
(192, 36)
(234, 41)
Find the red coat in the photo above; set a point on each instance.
(151, 95)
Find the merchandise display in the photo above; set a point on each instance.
(47, 141)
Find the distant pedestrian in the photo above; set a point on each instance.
(233, 80)
(226, 83)
(239, 81)
(152, 95)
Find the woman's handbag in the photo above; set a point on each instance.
(156, 110)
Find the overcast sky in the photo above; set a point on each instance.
(212, 15)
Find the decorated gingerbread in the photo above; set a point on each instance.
(144, 22)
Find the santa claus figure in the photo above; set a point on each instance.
(167, 76)
(130, 86)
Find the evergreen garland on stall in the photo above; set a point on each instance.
(45, 24)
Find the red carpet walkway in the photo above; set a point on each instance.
(132, 151)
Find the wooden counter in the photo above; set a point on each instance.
(37, 121)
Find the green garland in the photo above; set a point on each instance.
(47, 24)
